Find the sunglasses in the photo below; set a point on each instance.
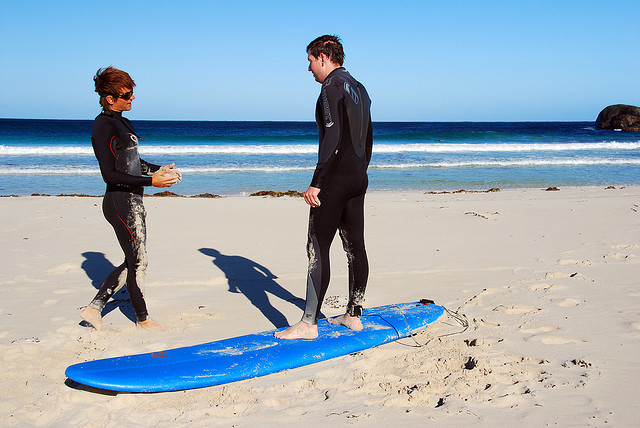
(125, 96)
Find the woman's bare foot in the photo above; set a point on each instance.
(348, 321)
(301, 330)
(92, 316)
(150, 324)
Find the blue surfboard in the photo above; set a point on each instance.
(252, 355)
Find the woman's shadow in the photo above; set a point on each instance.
(254, 281)
(97, 268)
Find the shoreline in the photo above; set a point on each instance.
(548, 281)
(297, 194)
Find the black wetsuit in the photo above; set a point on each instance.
(115, 145)
(346, 139)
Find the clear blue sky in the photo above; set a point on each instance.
(427, 60)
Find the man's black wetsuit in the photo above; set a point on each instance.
(346, 139)
(115, 145)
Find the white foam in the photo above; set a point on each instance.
(507, 163)
(501, 148)
(291, 149)
(46, 170)
(33, 170)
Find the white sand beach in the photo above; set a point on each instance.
(549, 282)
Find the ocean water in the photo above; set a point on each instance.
(236, 158)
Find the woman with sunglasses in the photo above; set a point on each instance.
(115, 145)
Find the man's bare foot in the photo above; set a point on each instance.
(348, 321)
(92, 316)
(301, 330)
(150, 324)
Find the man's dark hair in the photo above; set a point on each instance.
(110, 81)
(328, 45)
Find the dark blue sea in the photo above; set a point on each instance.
(236, 158)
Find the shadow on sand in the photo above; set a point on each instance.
(80, 387)
(97, 268)
(254, 281)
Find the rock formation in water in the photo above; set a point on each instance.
(619, 116)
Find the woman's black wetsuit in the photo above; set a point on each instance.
(346, 139)
(115, 145)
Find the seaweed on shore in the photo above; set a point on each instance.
(206, 195)
(492, 190)
(166, 194)
(83, 195)
(291, 193)
(76, 195)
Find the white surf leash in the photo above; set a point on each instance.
(461, 319)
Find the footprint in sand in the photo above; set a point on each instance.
(63, 268)
(275, 403)
(516, 309)
(575, 262)
(486, 323)
(561, 275)
(211, 315)
(538, 330)
(634, 325)
(31, 349)
(554, 340)
(558, 275)
(619, 256)
(558, 340)
(568, 302)
(193, 319)
(26, 279)
(623, 246)
(543, 287)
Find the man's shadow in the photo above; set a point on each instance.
(97, 268)
(254, 281)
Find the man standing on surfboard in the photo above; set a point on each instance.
(336, 193)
